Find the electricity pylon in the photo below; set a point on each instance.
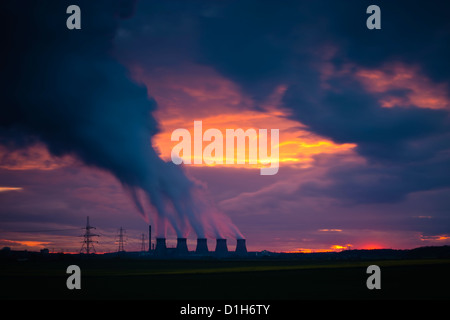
(88, 242)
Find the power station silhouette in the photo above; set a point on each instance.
(161, 250)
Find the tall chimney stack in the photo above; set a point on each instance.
(241, 248)
(160, 248)
(221, 246)
(182, 248)
(202, 246)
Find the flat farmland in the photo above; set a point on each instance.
(225, 280)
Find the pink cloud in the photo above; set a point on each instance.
(420, 90)
(34, 157)
(416, 89)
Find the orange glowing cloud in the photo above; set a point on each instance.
(34, 244)
(297, 146)
(7, 189)
(440, 237)
(420, 91)
(198, 93)
(34, 157)
(194, 92)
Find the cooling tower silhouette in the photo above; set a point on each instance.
(241, 248)
(182, 248)
(221, 246)
(202, 246)
(160, 248)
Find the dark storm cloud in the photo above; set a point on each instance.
(60, 86)
(257, 44)
(380, 183)
(413, 31)
(64, 88)
(260, 44)
(349, 114)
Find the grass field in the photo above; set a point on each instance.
(222, 279)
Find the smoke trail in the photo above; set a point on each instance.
(63, 87)
(215, 224)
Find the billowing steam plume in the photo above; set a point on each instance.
(63, 87)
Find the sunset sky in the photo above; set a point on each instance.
(363, 118)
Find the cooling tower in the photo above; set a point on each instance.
(221, 246)
(182, 248)
(160, 248)
(202, 246)
(241, 248)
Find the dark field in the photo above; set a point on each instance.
(229, 280)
